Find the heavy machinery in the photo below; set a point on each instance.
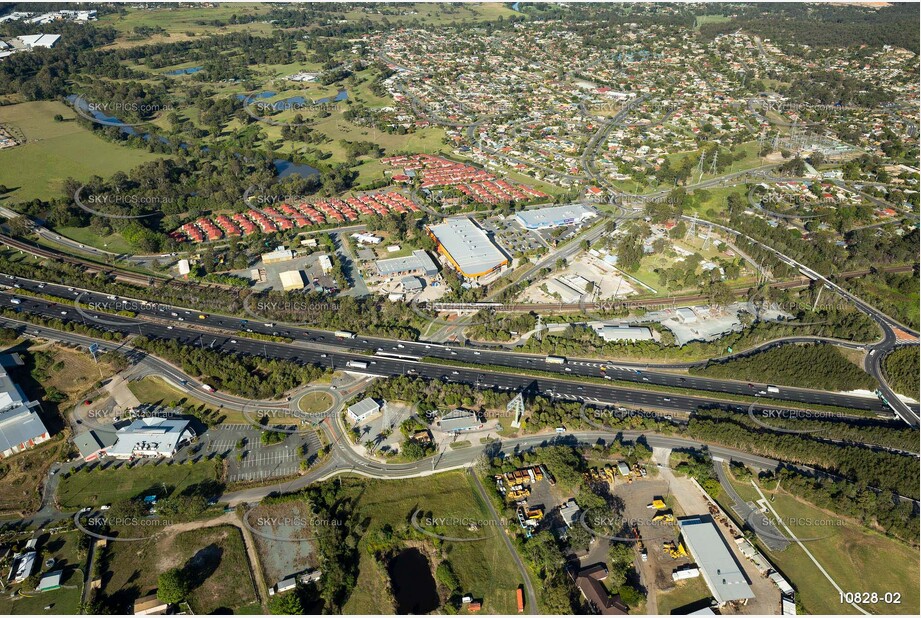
(675, 550)
(665, 516)
(657, 504)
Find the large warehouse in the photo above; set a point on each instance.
(721, 571)
(555, 216)
(467, 247)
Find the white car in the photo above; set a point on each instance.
(234, 341)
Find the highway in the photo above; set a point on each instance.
(890, 327)
(324, 348)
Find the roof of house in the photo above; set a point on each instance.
(50, 580)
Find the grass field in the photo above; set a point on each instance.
(315, 402)
(87, 236)
(215, 561)
(22, 475)
(99, 487)
(64, 548)
(684, 593)
(485, 568)
(55, 151)
(857, 558)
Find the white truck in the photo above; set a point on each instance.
(772, 389)
(344, 334)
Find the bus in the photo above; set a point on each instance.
(555, 360)
(356, 364)
(344, 334)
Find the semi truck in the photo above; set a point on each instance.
(344, 334)
(555, 360)
(357, 364)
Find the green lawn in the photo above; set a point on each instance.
(315, 402)
(219, 555)
(684, 593)
(857, 558)
(114, 243)
(55, 151)
(485, 568)
(99, 487)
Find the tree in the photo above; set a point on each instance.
(286, 605)
(172, 586)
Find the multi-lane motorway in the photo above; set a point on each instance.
(390, 357)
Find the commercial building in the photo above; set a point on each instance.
(93, 444)
(419, 263)
(326, 263)
(151, 437)
(412, 284)
(467, 247)
(280, 254)
(459, 420)
(20, 426)
(363, 409)
(621, 332)
(723, 574)
(554, 216)
(291, 280)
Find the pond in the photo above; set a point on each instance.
(413, 585)
(285, 168)
(187, 71)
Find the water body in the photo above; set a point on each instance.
(285, 168)
(187, 71)
(84, 106)
(293, 102)
(413, 585)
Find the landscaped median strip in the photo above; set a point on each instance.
(660, 388)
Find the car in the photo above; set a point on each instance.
(607, 377)
(169, 328)
(645, 379)
(105, 507)
(401, 346)
(454, 373)
(750, 385)
(87, 402)
(476, 353)
(567, 369)
(234, 341)
(666, 399)
(63, 313)
(182, 319)
(323, 355)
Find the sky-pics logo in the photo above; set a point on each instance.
(767, 525)
(779, 419)
(117, 200)
(109, 113)
(289, 419)
(102, 525)
(260, 109)
(616, 527)
(288, 312)
(110, 307)
(288, 528)
(454, 529)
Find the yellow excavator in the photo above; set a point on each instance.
(675, 550)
